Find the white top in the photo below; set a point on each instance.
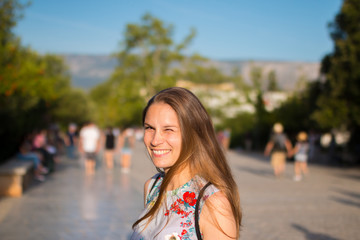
(90, 136)
(176, 217)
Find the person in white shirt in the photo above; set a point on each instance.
(89, 146)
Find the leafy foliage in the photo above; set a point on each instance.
(146, 64)
(339, 102)
(73, 106)
(256, 78)
(294, 113)
(34, 89)
(272, 82)
(202, 74)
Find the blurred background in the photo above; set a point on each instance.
(252, 64)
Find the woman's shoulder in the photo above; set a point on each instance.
(218, 200)
(203, 183)
(217, 217)
(207, 188)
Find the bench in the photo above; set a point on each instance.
(15, 177)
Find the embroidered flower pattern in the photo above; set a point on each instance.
(184, 207)
(189, 198)
(182, 202)
(173, 236)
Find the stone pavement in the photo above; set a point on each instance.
(70, 205)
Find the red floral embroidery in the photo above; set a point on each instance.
(183, 232)
(175, 207)
(189, 198)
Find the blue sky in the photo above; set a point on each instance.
(282, 30)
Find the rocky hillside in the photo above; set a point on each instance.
(90, 70)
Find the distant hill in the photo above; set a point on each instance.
(89, 70)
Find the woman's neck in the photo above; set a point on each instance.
(179, 179)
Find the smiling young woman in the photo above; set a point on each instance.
(194, 196)
(162, 135)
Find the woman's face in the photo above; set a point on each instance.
(162, 136)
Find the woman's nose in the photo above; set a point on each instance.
(157, 138)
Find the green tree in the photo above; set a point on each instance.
(29, 94)
(31, 85)
(301, 83)
(150, 53)
(118, 103)
(10, 13)
(240, 126)
(256, 78)
(262, 122)
(294, 112)
(73, 106)
(147, 63)
(238, 80)
(339, 103)
(272, 81)
(204, 75)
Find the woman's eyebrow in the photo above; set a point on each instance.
(165, 126)
(171, 126)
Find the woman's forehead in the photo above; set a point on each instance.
(161, 112)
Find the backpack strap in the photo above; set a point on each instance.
(153, 182)
(156, 180)
(197, 227)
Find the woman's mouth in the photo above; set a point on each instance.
(159, 153)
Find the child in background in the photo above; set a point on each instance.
(301, 152)
(126, 145)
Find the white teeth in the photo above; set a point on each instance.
(160, 152)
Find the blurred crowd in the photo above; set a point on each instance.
(89, 144)
(113, 146)
(42, 147)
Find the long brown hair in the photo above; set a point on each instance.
(200, 149)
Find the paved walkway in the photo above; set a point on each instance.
(69, 205)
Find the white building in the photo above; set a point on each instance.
(229, 100)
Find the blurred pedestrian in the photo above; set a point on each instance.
(278, 147)
(47, 152)
(248, 141)
(55, 139)
(109, 141)
(71, 140)
(126, 145)
(89, 146)
(224, 138)
(194, 196)
(301, 153)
